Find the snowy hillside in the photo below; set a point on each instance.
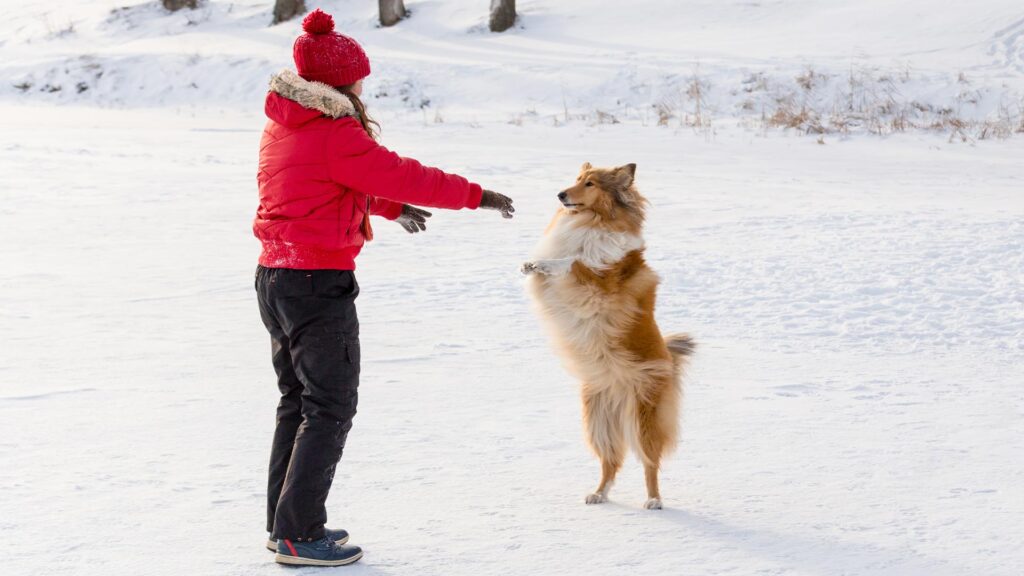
(855, 406)
(873, 66)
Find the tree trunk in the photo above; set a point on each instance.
(391, 11)
(285, 10)
(503, 15)
(175, 5)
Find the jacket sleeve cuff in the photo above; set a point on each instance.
(393, 210)
(475, 195)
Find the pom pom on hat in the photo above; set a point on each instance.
(318, 22)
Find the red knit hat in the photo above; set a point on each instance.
(323, 55)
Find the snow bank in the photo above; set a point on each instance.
(815, 67)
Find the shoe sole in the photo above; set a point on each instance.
(272, 544)
(298, 561)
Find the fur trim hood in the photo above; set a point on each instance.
(312, 95)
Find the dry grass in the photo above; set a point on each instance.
(863, 99)
(696, 93)
(665, 111)
(874, 102)
(688, 106)
(790, 116)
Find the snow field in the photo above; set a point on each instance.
(855, 405)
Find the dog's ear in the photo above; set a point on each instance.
(586, 166)
(624, 175)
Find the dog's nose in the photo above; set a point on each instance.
(562, 196)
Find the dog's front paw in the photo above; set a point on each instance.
(596, 498)
(548, 267)
(653, 504)
(542, 267)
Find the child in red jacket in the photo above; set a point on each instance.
(321, 176)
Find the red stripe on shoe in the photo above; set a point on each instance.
(291, 548)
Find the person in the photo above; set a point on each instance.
(321, 176)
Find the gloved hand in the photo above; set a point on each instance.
(413, 219)
(494, 201)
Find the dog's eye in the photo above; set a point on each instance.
(589, 184)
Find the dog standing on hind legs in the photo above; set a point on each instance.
(596, 294)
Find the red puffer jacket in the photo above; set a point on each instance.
(321, 176)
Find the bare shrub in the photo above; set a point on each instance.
(696, 92)
(809, 79)
(666, 112)
(606, 118)
(839, 122)
(1000, 127)
(755, 82)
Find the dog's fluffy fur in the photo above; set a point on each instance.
(596, 293)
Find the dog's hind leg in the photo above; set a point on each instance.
(653, 495)
(603, 420)
(652, 441)
(609, 468)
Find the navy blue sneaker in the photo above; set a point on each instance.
(339, 536)
(323, 552)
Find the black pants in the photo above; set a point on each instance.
(314, 336)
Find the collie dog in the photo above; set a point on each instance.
(596, 294)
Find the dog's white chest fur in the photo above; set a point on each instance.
(583, 319)
(595, 248)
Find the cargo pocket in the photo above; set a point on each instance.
(338, 344)
(352, 351)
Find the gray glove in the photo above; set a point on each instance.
(494, 201)
(413, 219)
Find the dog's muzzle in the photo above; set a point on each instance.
(563, 197)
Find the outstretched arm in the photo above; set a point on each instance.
(360, 163)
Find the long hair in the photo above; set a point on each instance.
(369, 124)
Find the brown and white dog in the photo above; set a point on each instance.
(596, 293)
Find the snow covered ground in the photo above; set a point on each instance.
(856, 405)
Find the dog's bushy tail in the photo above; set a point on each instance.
(681, 346)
